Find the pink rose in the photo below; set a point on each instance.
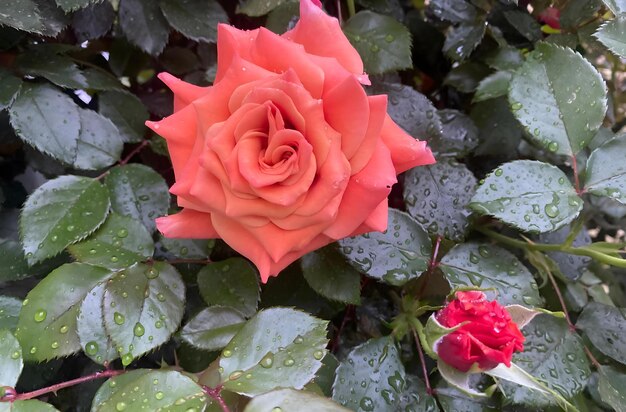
(488, 338)
(285, 153)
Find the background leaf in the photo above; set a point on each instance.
(61, 212)
(232, 282)
(605, 327)
(10, 358)
(532, 196)
(196, 19)
(144, 25)
(144, 306)
(606, 174)
(289, 399)
(126, 111)
(613, 35)
(47, 324)
(256, 361)
(486, 266)
(560, 87)
(399, 254)
(21, 14)
(383, 43)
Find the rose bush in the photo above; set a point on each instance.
(488, 338)
(285, 153)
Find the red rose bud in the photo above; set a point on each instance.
(489, 336)
(550, 16)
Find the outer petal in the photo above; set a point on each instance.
(406, 152)
(184, 93)
(232, 42)
(187, 224)
(321, 35)
(365, 191)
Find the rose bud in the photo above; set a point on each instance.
(285, 153)
(551, 17)
(488, 338)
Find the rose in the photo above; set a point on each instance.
(285, 153)
(489, 336)
(551, 17)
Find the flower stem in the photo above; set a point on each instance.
(575, 171)
(216, 395)
(543, 247)
(351, 8)
(56, 387)
(420, 353)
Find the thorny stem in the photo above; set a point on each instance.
(575, 170)
(56, 387)
(216, 395)
(125, 160)
(543, 247)
(420, 353)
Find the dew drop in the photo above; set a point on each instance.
(91, 348)
(267, 361)
(40, 315)
(118, 318)
(139, 330)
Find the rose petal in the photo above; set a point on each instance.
(231, 43)
(187, 224)
(406, 151)
(378, 113)
(365, 191)
(321, 35)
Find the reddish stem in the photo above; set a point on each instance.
(420, 353)
(216, 395)
(575, 170)
(432, 265)
(346, 316)
(130, 155)
(62, 385)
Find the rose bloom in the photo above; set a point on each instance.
(488, 338)
(285, 153)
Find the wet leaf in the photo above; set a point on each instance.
(612, 387)
(532, 196)
(486, 266)
(559, 97)
(278, 347)
(143, 25)
(21, 14)
(47, 323)
(213, 327)
(196, 19)
(9, 312)
(92, 333)
(231, 282)
(10, 359)
(605, 327)
(613, 35)
(437, 197)
(126, 111)
(606, 172)
(61, 212)
(399, 254)
(290, 399)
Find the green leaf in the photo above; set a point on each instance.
(48, 120)
(27, 406)
(283, 17)
(525, 24)
(187, 248)
(415, 398)
(612, 387)
(92, 333)
(117, 244)
(437, 197)
(61, 212)
(454, 400)
(278, 347)
(143, 25)
(492, 86)
(383, 43)
(231, 282)
(605, 327)
(13, 265)
(459, 135)
(559, 97)
(99, 144)
(571, 266)
(47, 324)
(97, 79)
(292, 400)
(577, 12)
(397, 255)
(486, 266)
(71, 5)
(411, 110)
(10, 359)
(60, 70)
(455, 11)
(613, 35)
(93, 21)
(9, 88)
(529, 195)
(257, 8)
(504, 58)
(499, 132)
(554, 355)
(466, 76)
(606, 172)
(463, 39)
(371, 378)
(213, 328)
(21, 14)
(9, 312)
(617, 7)
(144, 306)
(126, 111)
(139, 192)
(196, 19)
(328, 273)
(55, 18)
(152, 390)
